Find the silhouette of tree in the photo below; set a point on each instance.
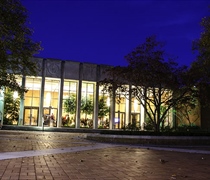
(16, 45)
(157, 82)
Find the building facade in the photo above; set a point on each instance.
(67, 93)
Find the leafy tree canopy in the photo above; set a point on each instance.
(70, 104)
(201, 46)
(200, 68)
(155, 81)
(103, 109)
(11, 107)
(86, 106)
(16, 45)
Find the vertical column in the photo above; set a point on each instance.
(1, 105)
(96, 97)
(112, 113)
(20, 120)
(129, 107)
(174, 124)
(59, 120)
(40, 123)
(79, 95)
(127, 116)
(142, 114)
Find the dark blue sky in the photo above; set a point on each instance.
(103, 32)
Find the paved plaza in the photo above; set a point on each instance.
(57, 155)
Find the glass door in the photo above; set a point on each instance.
(50, 116)
(31, 116)
(119, 120)
(135, 119)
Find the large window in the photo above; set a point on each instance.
(120, 112)
(32, 97)
(87, 104)
(11, 104)
(51, 99)
(32, 101)
(103, 109)
(135, 118)
(69, 103)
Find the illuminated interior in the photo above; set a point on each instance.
(45, 104)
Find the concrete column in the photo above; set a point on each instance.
(59, 120)
(40, 123)
(127, 114)
(129, 107)
(112, 110)
(142, 115)
(20, 120)
(79, 95)
(1, 105)
(96, 99)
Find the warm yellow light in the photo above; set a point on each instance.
(48, 98)
(108, 101)
(15, 95)
(135, 105)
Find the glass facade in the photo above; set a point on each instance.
(69, 97)
(69, 103)
(135, 112)
(51, 100)
(11, 104)
(32, 101)
(120, 113)
(87, 105)
(103, 109)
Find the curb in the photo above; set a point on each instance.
(151, 140)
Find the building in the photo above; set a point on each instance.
(57, 95)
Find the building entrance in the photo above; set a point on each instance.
(135, 119)
(31, 116)
(119, 120)
(50, 116)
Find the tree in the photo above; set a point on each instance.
(70, 107)
(87, 109)
(158, 84)
(86, 106)
(70, 104)
(200, 68)
(202, 47)
(11, 107)
(16, 45)
(188, 112)
(103, 109)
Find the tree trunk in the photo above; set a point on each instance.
(157, 127)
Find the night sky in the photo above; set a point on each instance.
(103, 32)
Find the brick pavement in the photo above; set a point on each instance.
(46, 155)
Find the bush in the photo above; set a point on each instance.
(8, 121)
(148, 126)
(152, 133)
(132, 127)
(168, 129)
(187, 128)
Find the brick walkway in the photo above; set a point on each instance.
(46, 155)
